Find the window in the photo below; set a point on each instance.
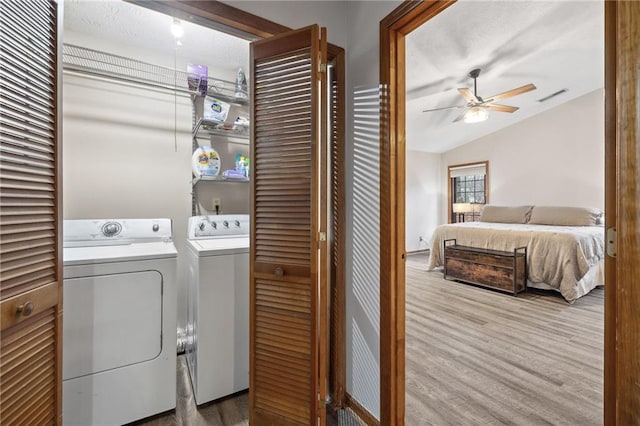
(468, 191)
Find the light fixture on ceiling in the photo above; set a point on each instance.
(477, 108)
(476, 114)
(176, 28)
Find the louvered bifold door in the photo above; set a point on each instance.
(29, 218)
(285, 77)
(337, 354)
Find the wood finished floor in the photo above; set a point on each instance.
(473, 357)
(231, 411)
(479, 357)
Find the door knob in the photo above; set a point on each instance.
(25, 309)
(279, 272)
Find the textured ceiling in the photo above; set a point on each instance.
(552, 44)
(135, 26)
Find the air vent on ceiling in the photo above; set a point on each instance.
(553, 95)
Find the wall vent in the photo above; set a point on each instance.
(553, 95)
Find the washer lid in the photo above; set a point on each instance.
(220, 246)
(119, 253)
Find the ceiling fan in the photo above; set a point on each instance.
(477, 107)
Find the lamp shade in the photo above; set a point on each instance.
(462, 207)
(475, 115)
(477, 207)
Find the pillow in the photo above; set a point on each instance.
(567, 216)
(503, 214)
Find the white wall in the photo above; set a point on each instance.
(553, 158)
(423, 198)
(127, 151)
(363, 332)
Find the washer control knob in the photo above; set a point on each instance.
(225, 224)
(201, 226)
(155, 227)
(110, 229)
(237, 223)
(214, 225)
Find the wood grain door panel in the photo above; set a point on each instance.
(30, 372)
(28, 145)
(285, 225)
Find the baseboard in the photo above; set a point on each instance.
(425, 251)
(360, 411)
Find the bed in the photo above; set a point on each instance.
(561, 255)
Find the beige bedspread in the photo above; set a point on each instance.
(568, 259)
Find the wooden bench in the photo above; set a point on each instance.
(499, 270)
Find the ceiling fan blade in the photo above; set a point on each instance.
(440, 109)
(459, 118)
(502, 108)
(468, 95)
(513, 92)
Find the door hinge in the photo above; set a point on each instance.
(322, 236)
(322, 67)
(322, 405)
(612, 242)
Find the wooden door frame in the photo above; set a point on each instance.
(393, 28)
(228, 19)
(621, 372)
(218, 16)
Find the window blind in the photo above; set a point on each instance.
(472, 169)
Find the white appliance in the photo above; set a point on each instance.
(119, 321)
(217, 348)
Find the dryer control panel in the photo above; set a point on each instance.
(96, 232)
(218, 226)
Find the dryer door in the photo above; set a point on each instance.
(111, 321)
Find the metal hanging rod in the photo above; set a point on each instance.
(99, 64)
(127, 81)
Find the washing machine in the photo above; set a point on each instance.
(119, 320)
(217, 344)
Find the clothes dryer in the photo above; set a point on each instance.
(119, 322)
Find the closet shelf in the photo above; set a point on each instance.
(223, 90)
(205, 129)
(219, 179)
(102, 64)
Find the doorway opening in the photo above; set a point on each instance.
(395, 28)
(248, 27)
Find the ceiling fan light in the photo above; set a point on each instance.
(475, 115)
